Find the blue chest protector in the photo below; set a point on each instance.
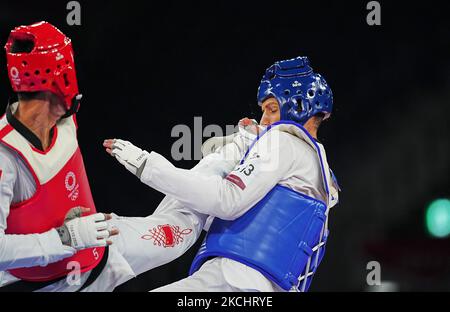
(283, 237)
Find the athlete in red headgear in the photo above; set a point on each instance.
(51, 238)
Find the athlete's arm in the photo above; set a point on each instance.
(226, 198)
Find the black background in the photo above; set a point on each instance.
(144, 67)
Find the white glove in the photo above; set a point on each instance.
(85, 232)
(132, 157)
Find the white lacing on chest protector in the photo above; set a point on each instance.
(307, 274)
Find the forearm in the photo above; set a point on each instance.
(210, 193)
(215, 195)
(206, 194)
(19, 251)
(218, 163)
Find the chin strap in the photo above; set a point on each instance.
(76, 101)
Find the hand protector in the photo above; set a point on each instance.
(85, 232)
(132, 157)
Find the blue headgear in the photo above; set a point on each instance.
(300, 92)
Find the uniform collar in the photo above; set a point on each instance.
(22, 129)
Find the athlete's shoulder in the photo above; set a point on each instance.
(8, 158)
(291, 137)
(3, 122)
(275, 139)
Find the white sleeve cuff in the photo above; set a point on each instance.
(147, 172)
(54, 249)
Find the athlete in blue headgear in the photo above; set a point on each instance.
(271, 210)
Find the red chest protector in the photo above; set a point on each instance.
(61, 184)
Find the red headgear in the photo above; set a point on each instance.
(49, 66)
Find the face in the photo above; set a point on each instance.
(271, 112)
(57, 106)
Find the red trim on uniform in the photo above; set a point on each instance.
(55, 135)
(236, 180)
(5, 131)
(75, 121)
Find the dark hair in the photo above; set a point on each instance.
(28, 96)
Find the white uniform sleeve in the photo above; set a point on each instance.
(18, 251)
(218, 163)
(230, 197)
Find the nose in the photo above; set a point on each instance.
(264, 120)
(267, 118)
